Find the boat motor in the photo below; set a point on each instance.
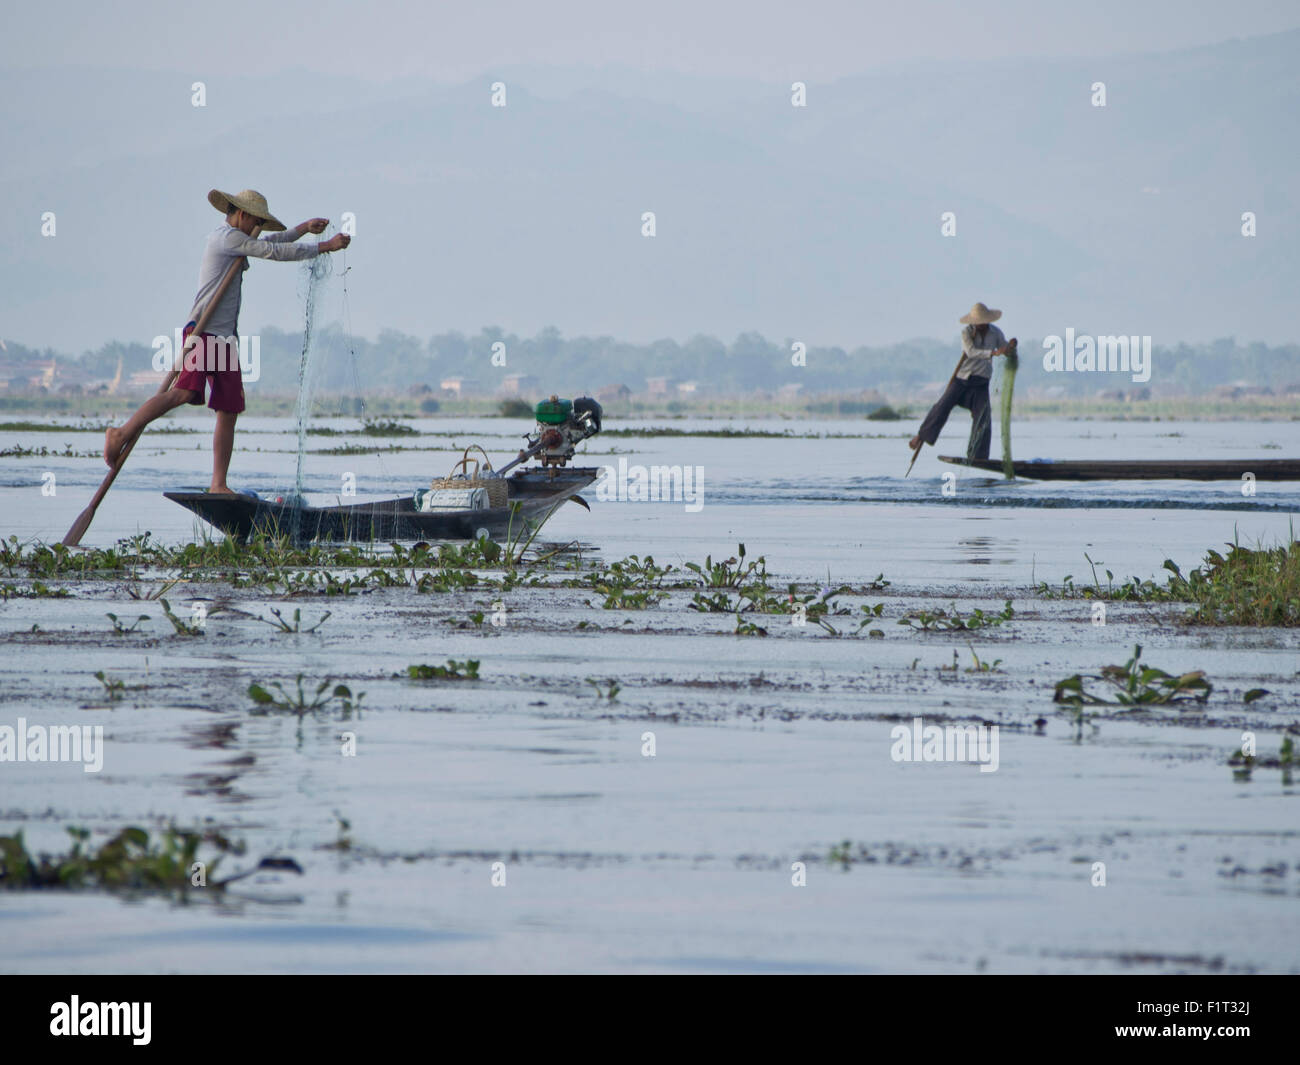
(562, 425)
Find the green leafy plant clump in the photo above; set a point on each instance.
(607, 689)
(1287, 759)
(120, 628)
(281, 625)
(129, 861)
(113, 687)
(453, 670)
(1246, 586)
(952, 621)
(300, 701)
(1134, 685)
(387, 427)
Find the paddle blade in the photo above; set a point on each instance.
(84, 519)
(79, 527)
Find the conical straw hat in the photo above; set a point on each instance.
(249, 200)
(980, 315)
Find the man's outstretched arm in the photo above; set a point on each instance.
(312, 225)
(237, 243)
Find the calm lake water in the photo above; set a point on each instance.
(769, 751)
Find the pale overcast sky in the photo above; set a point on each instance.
(763, 39)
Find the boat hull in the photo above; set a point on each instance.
(1149, 470)
(533, 493)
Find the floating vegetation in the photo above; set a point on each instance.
(729, 573)
(1287, 759)
(343, 839)
(1247, 586)
(1134, 684)
(981, 666)
(841, 854)
(138, 591)
(725, 433)
(453, 670)
(478, 552)
(737, 584)
(1132, 589)
(514, 408)
(113, 687)
(873, 611)
(120, 629)
(283, 626)
(36, 590)
(608, 690)
(941, 620)
(130, 861)
(85, 427)
(17, 451)
(301, 702)
(884, 413)
(364, 449)
(758, 598)
(629, 599)
(1244, 587)
(754, 594)
(387, 427)
(182, 627)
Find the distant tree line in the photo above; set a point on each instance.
(397, 362)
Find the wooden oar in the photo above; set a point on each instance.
(84, 519)
(921, 443)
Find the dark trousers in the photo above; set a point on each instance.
(973, 394)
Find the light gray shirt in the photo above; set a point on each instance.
(225, 245)
(979, 353)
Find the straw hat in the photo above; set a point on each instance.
(980, 315)
(249, 200)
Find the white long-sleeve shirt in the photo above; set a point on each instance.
(979, 354)
(225, 245)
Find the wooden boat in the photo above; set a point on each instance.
(1141, 470)
(532, 495)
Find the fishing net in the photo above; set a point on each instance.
(315, 272)
(1002, 385)
(328, 379)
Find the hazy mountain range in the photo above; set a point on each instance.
(819, 224)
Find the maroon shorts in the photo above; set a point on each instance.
(215, 362)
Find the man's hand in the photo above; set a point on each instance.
(336, 243)
(1008, 348)
(314, 225)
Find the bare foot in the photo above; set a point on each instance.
(113, 442)
(914, 443)
(220, 490)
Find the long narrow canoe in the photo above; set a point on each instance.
(1141, 470)
(532, 494)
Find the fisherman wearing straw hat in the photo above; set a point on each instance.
(981, 342)
(209, 362)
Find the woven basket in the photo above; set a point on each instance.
(497, 489)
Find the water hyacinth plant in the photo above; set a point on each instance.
(1134, 684)
(1246, 586)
